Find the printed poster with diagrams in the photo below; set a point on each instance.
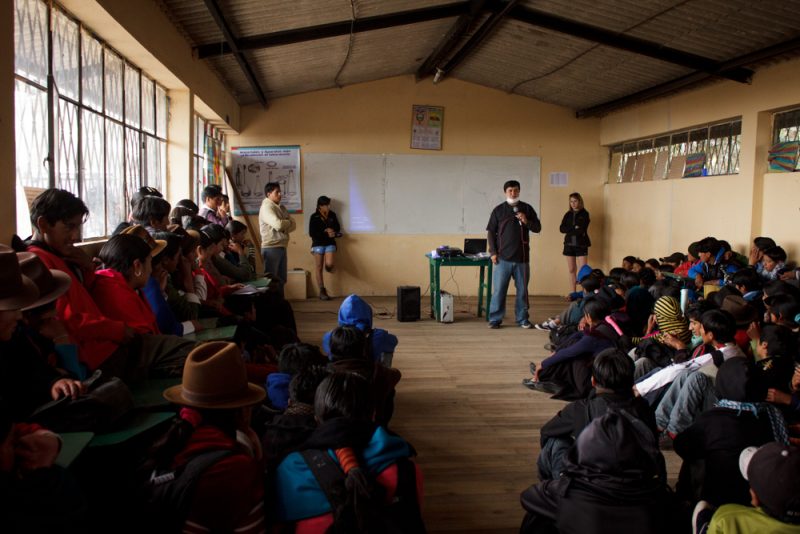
(253, 167)
(426, 127)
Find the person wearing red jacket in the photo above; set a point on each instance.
(127, 261)
(103, 342)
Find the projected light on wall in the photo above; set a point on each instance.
(360, 220)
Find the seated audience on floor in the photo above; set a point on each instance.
(567, 373)
(614, 475)
(286, 431)
(771, 472)
(382, 486)
(667, 322)
(717, 329)
(738, 419)
(612, 383)
(349, 353)
(211, 435)
(294, 358)
(355, 311)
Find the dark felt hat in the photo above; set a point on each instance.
(675, 258)
(743, 312)
(17, 291)
(214, 377)
(51, 283)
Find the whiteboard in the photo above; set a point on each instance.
(416, 194)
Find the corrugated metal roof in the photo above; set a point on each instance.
(518, 57)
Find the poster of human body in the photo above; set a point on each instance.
(253, 167)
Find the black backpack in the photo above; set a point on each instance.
(168, 494)
(400, 516)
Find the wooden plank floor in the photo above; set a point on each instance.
(462, 405)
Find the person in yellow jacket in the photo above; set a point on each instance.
(275, 224)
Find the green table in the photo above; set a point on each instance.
(222, 333)
(258, 282)
(72, 444)
(484, 281)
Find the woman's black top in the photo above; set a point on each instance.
(574, 226)
(317, 226)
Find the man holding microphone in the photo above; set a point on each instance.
(509, 245)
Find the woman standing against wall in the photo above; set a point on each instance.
(323, 227)
(574, 226)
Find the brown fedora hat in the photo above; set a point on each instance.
(156, 245)
(52, 283)
(17, 291)
(742, 311)
(214, 376)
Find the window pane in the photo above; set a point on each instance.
(92, 73)
(153, 162)
(115, 176)
(65, 54)
(93, 173)
(113, 89)
(30, 110)
(148, 106)
(161, 112)
(30, 40)
(133, 158)
(66, 144)
(132, 91)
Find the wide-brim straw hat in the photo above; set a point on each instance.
(51, 283)
(214, 377)
(17, 291)
(156, 245)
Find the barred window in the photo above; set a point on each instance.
(209, 156)
(108, 120)
(785, 138)
(710, 150)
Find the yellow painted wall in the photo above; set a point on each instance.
(375, 117)
(781, 210)
(737, 207)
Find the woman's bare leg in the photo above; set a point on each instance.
(572, 271)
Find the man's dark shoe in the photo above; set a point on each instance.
(550, 347)
(545, 387)
(526, 324)
(494, 325)
(532, 367)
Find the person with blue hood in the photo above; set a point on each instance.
(355, 311)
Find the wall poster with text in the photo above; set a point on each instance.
(253, 167)
(426, 127)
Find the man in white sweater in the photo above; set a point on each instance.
(275, 224)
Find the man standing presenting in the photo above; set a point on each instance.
(275, 224)
(508, 236)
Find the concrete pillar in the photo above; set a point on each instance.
(8, 214)
(180, 149)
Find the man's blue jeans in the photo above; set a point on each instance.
(502, 274)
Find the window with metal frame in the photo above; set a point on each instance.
(86, 119)
(663, 156)
(786, 129)
(209, 156)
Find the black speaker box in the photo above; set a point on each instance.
(408, 303)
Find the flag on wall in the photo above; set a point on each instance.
(783, 156)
